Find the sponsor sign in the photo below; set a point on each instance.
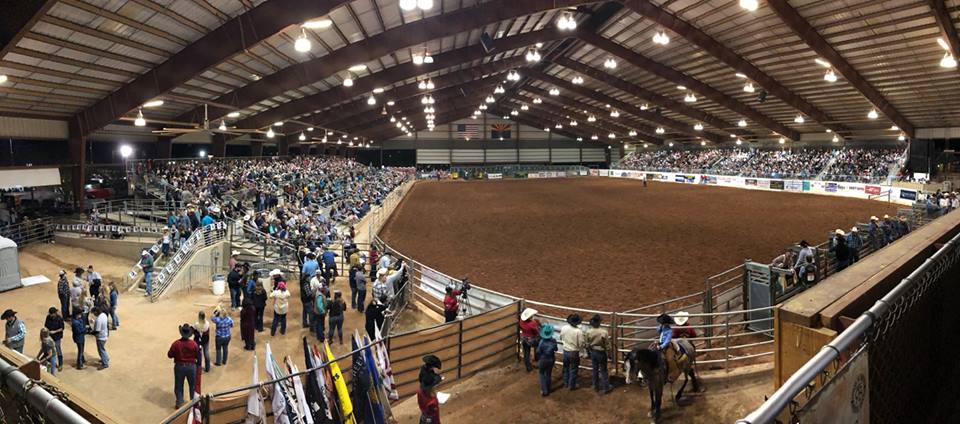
(806, 186)
(908, 194)
(763, 184)
(595, 172)
(708, 179)
(793, 185)
(582, 173)
(652, 176)
(776, 184)
(534, 175)
(665, 177)
(750, 182)
(497, 176)
(688, 179)
(872, 189)
(832, 187)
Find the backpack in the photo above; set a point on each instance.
(320, 305)
(809, 272)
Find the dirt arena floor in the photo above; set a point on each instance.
(605, 243)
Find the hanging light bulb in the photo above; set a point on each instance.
(371, 100)
(546, 129)
(739, 142)
(632, 133)
(610, 63)
(483, 107)
(661, 38)
(408, 4)
(577, 80)
(579, 138)
(614, 114)
(591, 118)
(418, 59)
(901, 137)
(703, 143)
(690, 98)
(698, 127)
(749, 5)
(742, 123)
(513, 76)
(476, 113)
(270, 133)
(644, 106)
(660, 130)
(611, 136)
(302, 44)
(422, 85)
(671, 144)
(748, 87)
(425, 4)
(799, 119)
(782, 140)
(498, 90)
(873, 114)
(948, 61)
(554, 91)
(835, 138)
(223, 126)
(537, 100)
(566, 22)
(594, 137)
(514, 112)
(489, 99)
(302, 137)
(558, 126)
(348, 82)
(830, 76)
(430, 85)
(140, 122)
(393, 119)
(431, 100)
(425, 100)
(573, 123)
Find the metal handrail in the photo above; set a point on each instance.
(38, 397)
(781, 399)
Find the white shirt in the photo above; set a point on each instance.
(280, 303)
(103, 330)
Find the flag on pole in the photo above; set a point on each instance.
(196, 415)
(316, 400)
(384, 358)
(255, 412)
(279, 404)
(298, 389)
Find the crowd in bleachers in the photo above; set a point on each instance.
(299, 199)
(843, 164)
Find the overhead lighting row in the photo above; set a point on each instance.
(408, 5)
(566, 22)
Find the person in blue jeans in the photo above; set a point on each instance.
(79, 327)
(224, 324)
(572, 339)
(146, 263)
(201, 335)
(335, 309)
(102, 330)
(114, 301)
(546, 352)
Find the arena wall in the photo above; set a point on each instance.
(892, 193)
(122, 248)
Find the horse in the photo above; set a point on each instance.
(656, 368)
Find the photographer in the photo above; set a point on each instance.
(451, 305)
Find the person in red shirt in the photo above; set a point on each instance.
(450, 305)
(426, 395)
(681, 330)
(184, 353)
(529, 335)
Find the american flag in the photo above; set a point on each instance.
(467, 131)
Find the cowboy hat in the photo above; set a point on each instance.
(527, 313)
(432, 361)
(546, 332)
(595, 320)
(234, 253)
(681, 317)
(381, 271)
(275, 272)
(840, 232)
(664, 319)
(144, 253)
(8, 313)
(874, 218)
(574, 319)
(854, 230)
(886, 217)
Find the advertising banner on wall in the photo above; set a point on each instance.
(750, 182)
(832, 187)
(793, 185)
(763, 183)
(806, 186)
(870, 189)
(497, 176)
(845, 398)
(708, 179)
(688, 179)
(908, 194)
(595, 172)
(776, 184)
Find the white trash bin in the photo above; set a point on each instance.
(219, 284)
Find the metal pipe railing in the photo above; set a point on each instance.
(39, 398)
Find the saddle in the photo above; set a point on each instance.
(676, 360)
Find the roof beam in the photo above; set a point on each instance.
(529, 121)
(558, 112)
(400, 72)
(694, 84)
(649, 116)
(33, 11)
(809, 35)
(411, 34)
(650, 96)
(579, 107)
(231, 38)
(732, 59)
(945, 24)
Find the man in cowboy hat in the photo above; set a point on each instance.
(571, 337)
(840, 249)
(146, 264)
(427, 401)
(529, 335)
(854, 243)
(16, 331)
(598, 341)
(805, 252)
(546, 357)
(875, 233)
(664, 322)
(682, 330)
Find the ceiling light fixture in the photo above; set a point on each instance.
(223, 126)
(823, 63)
(489, 99)
(901, 137)
(348, 82)
(371, 100)
(799, 119)
(422, 85)
(278, 124)
(750, 5)
(748, 87)
(357, 68)
(483, 107)
(524, 107)
(739, 142)
(830, 76)
(573, 123)
(566, 22)
(140, 122)
(499, 90)
(532, 55)
(698, 127)
(740, 75)
(310, 129)
(610, 63)
(513, 75)
(323, 23)
(661, 38)
(632, 133)
(948, 61)
(558, 126)
(660, 130)
(742, 123)
(270, 133)
(302, 44)
(427, 58)
(782, 140)
(611, 136)
(537, 101)
(690, 98)
(873, 114)
(554, 91)
(577, 80)
(614, 114)
(591, 118)
(644, 106)
(594, 137)
(703, 143)
(303, 137)
(152, 103)
(835, 138)
(233, 114)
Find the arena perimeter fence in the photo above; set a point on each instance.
(870, 372)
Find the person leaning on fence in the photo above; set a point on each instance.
(48, 352)
(805, 252)
(546, 352)
(598, 342)
(807, 273)
(427, 401)
(571, 337)
(875, 233)
(529, 335)
(889, 231)
(374, 316)
(854, 243)
(840, 249)
(185, 355)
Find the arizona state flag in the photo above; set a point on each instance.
(500, 130)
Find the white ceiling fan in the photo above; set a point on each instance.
(205, 128)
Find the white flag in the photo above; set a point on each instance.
(255, 412)
(279, 404)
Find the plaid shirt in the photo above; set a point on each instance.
(224, 325)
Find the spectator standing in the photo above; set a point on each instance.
(165, 242)
(16, 331)
(450, 304)
(114, 302)
(48, 352)
(571, 337)
(280, 298)
(375, 315)
(259, 304)
(146, 264)
(546, 354)
(248, 317)
(234, 279)
(224, 324)
(529, 335)
(360, 281)
(95, 281)
(54, 325)
(184, 353)
(79, 330)
(427, 400)
(335, 309)
(63, 293)
(597, 340)
(854, 244)
(103, 333)
(840, 250)
(201, 335)
(682, 330)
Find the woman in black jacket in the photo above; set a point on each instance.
(259, 304)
